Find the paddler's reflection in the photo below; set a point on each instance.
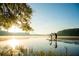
(53, 41)
(56, 44)
(50, 42)
(55, 34)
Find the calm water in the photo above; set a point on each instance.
(62, 46)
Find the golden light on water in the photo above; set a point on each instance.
(13, 43)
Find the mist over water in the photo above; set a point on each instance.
(42, 43)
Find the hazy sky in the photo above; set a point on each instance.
(49, 18)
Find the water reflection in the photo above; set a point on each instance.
(53, 37)
(53, 41)
(32, 46)
(50, 42)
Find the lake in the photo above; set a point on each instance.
(39, 45)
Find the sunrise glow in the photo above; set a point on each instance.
(15, 29)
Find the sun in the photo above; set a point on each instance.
(15, 29)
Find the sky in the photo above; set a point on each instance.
(51, 17)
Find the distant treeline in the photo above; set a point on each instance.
(69, 32)
(3, 33)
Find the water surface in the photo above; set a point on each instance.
(42, 43)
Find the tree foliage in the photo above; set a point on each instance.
(18, 14)
(69, 32)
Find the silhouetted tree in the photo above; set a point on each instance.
(18, 14)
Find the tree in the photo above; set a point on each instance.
(18, 14)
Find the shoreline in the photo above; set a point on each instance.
(2, 38)
(67, 37)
